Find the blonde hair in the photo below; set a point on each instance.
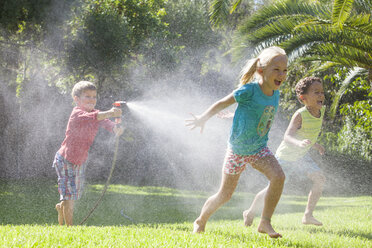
(249, 70)
(82, 86)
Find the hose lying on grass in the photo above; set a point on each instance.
(107, 182)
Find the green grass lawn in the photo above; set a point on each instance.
(162, 217)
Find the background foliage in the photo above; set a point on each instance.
(130, 46)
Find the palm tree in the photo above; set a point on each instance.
(227, 12)
(336, 35)
(220, 10)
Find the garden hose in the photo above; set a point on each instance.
(107, 182)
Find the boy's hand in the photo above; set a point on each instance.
(116, 112)
(320, 148)
(304, 143)
(118, 130)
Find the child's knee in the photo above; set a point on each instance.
(323, 178)
(279, 177)
(68, 204)
(280, 174)
(318, 178)
(225, 196)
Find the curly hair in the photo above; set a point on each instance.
(304, 84)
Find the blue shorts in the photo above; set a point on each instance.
(70, 178)
(301, 168)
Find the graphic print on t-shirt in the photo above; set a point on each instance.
(266, 120)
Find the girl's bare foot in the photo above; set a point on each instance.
(248, 217)
(60, 214)
(265, 227)
(310, 220)
(198, 227)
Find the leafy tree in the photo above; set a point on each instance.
(187, 38)
(16, 14)
(101, 44)
(105, 37)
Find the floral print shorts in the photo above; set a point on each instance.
(235, 164)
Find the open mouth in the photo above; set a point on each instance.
(277, 82)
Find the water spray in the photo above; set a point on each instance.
(117, 104)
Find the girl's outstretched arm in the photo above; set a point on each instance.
(293, 126)
(225, 115)
(200, 120)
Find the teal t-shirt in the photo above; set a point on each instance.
(253, 118)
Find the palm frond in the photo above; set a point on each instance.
(298, 52)
(268, 35)
(361, 22)
(282, 27)
(306, 36)
(328, 53)
(307, 32)
(235, 5)
(349, 35)
(354, 73)
(325, 66)
(341, 11)
(363, 6)
(219, 11)
(282, 10)
(346, 55)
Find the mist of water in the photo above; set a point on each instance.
(183, 149)
(193, 159)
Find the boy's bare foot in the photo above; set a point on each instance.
(198, 227)
(60, 214)
(310, 220)
(265, 227)
(248, 217)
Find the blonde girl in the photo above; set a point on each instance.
(257, 99)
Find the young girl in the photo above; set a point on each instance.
(301, 135)
(258, 99)
(81, 130)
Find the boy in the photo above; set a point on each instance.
(81, 130)
(292, 153)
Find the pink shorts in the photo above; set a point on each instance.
(235, 164)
